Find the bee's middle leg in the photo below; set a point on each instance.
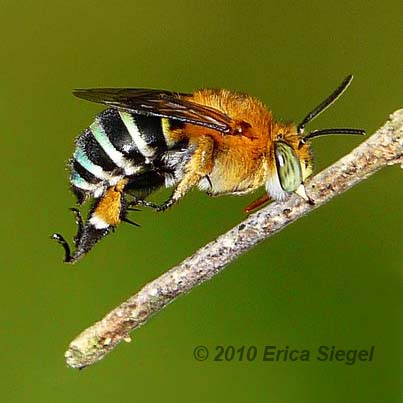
(199, 166)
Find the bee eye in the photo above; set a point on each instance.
(288, 167)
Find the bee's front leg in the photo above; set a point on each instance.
(257, 203)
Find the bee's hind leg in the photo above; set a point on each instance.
(80, 225)
(62, 241)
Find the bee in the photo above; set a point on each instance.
(223, 142)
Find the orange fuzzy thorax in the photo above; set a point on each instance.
(245, 158)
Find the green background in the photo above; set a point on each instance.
(332, 278)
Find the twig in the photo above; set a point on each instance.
(383, 148)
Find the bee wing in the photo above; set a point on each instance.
(165, 104)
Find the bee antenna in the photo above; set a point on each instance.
(327, 132)
(325, 104)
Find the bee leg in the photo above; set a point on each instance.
(104, 216)
(142, 203)
(80, 225)
(198, 167)
(257, 203)
(60, 239)
(169, 203)
(209, 181)
(146, 203)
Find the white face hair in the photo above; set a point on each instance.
(274, 189)
(289, 175)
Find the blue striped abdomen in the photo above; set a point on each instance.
(117, 144)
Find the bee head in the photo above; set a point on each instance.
(292, 164)
(291, 150)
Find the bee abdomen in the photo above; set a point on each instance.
(146, 133)
(90, 167)
(117, 144)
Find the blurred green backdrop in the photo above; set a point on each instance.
(332, 278)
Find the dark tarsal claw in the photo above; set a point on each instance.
(60, 239)
(68, 258)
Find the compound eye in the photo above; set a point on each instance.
(288, 167)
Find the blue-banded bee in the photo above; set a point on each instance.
(221, 141)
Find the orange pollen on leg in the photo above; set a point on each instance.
(108, 209)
